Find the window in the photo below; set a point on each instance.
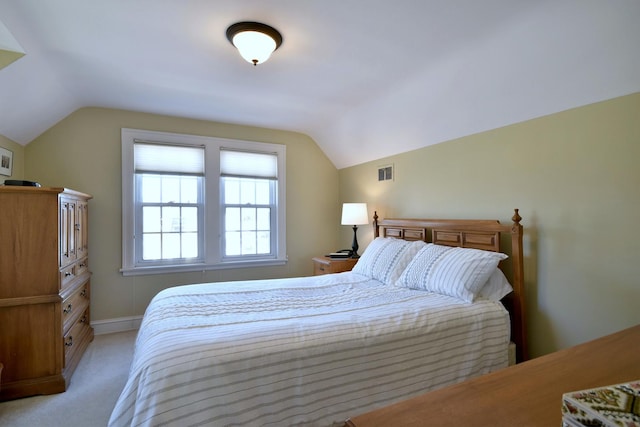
(249, 203)
(169, 205)
(198, 203)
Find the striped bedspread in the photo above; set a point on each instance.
(306, 351)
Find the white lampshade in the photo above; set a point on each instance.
(354, 214)
(255, 41)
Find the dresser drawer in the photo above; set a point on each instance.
(82, 266)
(67, 275)
(75, 338)
(74, 306)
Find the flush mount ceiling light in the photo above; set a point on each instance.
(255, 41)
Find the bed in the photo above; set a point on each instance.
(311, 351)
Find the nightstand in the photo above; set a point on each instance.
(326, 265)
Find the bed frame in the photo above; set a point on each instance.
(477, 234)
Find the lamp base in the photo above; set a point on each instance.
(354, 244)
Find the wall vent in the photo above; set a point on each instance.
(385, 173)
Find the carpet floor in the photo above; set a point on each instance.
(92, 393)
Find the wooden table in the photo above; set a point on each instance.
(327, 265)
(527, 394)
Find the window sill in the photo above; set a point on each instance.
(166, 269)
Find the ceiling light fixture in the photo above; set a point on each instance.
(255, 41)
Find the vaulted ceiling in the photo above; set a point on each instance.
(364, 78)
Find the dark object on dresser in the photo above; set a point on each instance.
(21, 183)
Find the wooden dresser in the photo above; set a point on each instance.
(44, 288)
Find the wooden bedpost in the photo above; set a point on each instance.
(519, 323)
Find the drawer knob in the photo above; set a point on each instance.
(67, 310)
(83, 293)
(68, 342)
(67, 274)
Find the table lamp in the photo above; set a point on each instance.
(354, 214)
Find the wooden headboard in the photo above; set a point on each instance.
(477, 234)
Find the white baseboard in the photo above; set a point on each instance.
(120, 324)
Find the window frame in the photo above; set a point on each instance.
(213, 258)
(140, 204)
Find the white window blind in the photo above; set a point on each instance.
(248, 164)
(166, 158)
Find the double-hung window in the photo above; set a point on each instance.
(198, 203)
(248, 203)
(169, 203)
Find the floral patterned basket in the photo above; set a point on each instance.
(611, 406)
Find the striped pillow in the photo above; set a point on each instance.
(386, 258)
(456, 272)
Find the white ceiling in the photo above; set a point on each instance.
(364, 78)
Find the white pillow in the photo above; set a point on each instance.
(497, 287)
(452, 271)
(386, 258)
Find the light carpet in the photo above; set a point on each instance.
(92, 393)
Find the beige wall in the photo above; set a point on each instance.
(83, 152)
(575, 176)
(17, 171)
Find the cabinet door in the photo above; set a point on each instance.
(67, 231)
(82, 232)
